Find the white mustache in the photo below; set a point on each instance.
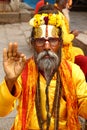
(49, 53)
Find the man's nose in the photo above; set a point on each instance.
(47, 45)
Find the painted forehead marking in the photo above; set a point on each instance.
(46, 31)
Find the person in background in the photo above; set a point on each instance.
(69, 51)
(65, 10)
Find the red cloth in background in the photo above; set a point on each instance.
(38, 5)
(82, 62)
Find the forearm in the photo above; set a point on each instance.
(7, 99)
(11, 85)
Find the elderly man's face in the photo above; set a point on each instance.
(47, 53)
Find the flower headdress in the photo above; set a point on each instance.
(47, 19)
(56, 20)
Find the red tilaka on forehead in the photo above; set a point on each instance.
(46, 30)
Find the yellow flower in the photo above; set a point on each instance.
(44, 15)
(58, 20)
(52, 19)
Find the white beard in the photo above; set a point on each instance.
(48, 65)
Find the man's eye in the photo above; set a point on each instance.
(38, 40)
(41, 41)
(53, 40)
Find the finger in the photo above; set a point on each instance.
(20, 57)
(23, 58)
(15, 47)
(5, 57)
(10, 49)
(23, 61)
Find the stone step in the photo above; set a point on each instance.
(15, 17)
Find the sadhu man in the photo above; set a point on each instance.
(51, 91)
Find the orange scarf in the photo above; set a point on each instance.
(70, 94)
(29, 79)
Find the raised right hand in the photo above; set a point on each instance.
(13, 61)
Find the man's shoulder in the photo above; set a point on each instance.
(70, 63)
(74, 67)
(76, 70)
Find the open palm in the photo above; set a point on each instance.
(13, 61)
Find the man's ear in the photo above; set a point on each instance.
(31, 39)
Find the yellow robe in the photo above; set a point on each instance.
(7, 101)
